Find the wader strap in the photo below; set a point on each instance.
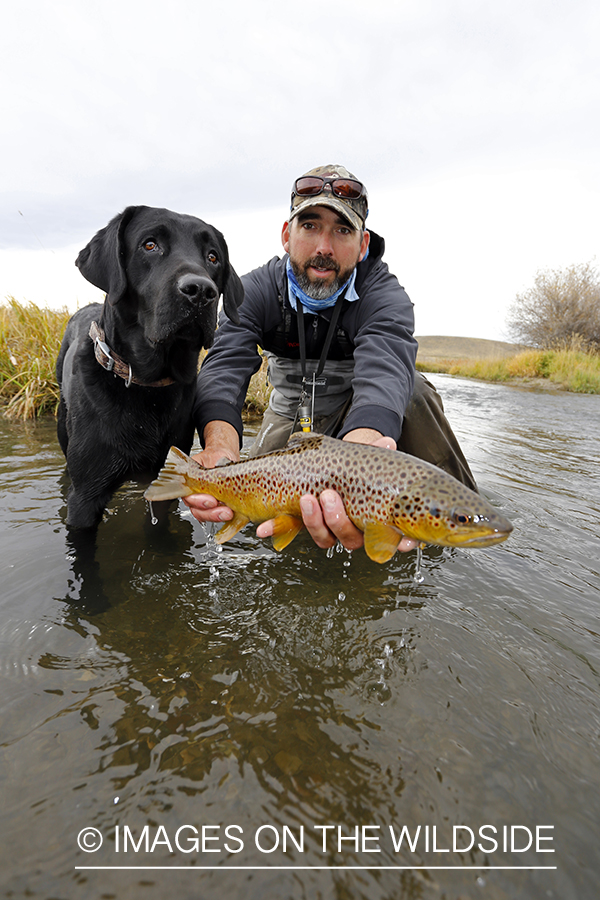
(328, 339)
(306, 412)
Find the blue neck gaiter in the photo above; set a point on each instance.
(296, 293)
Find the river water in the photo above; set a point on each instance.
(247, 724)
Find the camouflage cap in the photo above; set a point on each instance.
(354, 211)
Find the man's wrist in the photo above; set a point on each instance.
(362, 436)
(222, 437)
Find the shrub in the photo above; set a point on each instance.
(562, 309)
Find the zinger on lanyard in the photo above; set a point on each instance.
(305, 410)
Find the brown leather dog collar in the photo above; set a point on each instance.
(113, 363)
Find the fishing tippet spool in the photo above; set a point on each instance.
(305, 418)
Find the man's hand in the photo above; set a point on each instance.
(326, 521)
(325, 517)
(220, 442)
(205, 508)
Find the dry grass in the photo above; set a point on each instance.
(30, 340)
(570, 369)
(29, 344)
(259, 391)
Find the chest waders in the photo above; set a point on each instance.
(306, 403)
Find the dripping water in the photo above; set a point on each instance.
(153, 518)
(418, 577)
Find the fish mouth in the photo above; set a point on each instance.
(485, 540)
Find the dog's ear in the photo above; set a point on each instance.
(232, 288)
(102, 262)
(233, 294)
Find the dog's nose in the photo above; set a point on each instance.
(198, 287)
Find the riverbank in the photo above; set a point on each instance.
(567, 370)
(30, 340)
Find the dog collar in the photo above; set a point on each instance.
(113, 363)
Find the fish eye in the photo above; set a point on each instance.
(461, 516)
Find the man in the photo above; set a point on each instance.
(338, 331)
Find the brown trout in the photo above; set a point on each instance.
(386, 493)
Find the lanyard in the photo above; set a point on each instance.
(305, 411)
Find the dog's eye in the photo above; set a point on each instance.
(213, 258)
(150, 246)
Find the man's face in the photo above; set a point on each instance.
(324, 250)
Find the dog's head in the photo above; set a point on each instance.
(164, 272)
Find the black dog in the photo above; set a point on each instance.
(127, 368)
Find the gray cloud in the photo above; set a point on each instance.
(198, 108)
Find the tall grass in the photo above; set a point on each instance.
(29, 344)
(571, 369)
(259, 391)
(30, 340)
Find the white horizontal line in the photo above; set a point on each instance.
(310, 868)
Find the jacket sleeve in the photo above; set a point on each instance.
(234, 358)
(384, 357)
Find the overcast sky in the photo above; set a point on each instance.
(474, 125)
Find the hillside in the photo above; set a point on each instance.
(435, 347)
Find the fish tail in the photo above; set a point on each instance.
(172, 478)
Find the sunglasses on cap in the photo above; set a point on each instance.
(344, 188)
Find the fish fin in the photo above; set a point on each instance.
(285, 529)
(297, 438)
(230, 529)
(224, 461)
(381, 541)
(171, 481)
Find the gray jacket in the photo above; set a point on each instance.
(376, 331)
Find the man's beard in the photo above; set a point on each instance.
(320, 290)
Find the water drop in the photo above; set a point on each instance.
(380, 691)
(418, 577)
(153, 518)
(341, 596)
(330, 552)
